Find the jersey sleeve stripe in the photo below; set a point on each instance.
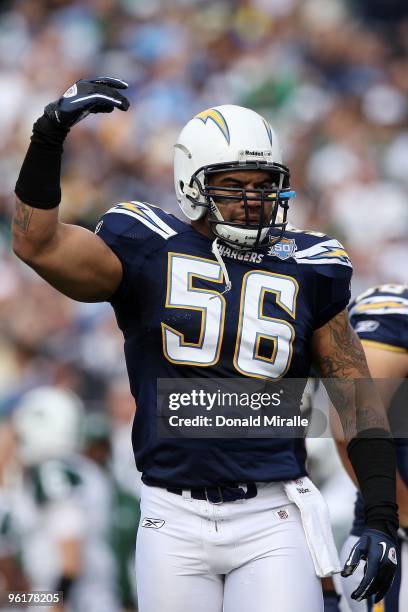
(380, 305)
(327, 252)
(145, 215)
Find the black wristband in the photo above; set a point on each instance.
(372, 455)
(38, 183)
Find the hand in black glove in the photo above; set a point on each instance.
(378, 549)
(99, 95)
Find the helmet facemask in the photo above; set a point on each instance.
(273, 204)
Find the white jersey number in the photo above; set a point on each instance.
(181, 294)
(254, 326)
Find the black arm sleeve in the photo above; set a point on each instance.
(38, 184)
(372, 455)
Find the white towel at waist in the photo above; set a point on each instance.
(316, 525)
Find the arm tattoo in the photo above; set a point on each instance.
(22, 216)
(342, 363)
(346, 358)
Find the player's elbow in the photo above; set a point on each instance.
(25, 249)
(21, 247)
(31, 248)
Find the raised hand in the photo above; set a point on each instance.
(98, 95)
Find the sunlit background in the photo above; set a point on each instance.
(332, 78)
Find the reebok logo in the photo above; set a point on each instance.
(152, 523)
(302, 490)
(366, 326)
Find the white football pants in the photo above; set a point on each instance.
(248, 555)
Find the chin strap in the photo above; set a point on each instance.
(215, 249)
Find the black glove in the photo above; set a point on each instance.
(38, 183)
(378, 549)
(94, 96)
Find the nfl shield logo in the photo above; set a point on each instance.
(283, 249)
(283, 515)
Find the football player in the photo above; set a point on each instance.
(380, 317)
(226, 524)
(64, 547)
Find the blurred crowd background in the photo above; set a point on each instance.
(332, 78)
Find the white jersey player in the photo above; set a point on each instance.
(61, 505)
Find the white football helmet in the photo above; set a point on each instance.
(48, 423)
(231, 138)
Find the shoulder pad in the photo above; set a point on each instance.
(318, 249)
(381, 300)
(126, 216)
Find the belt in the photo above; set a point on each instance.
(218, 495)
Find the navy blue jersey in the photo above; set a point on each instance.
(177, 323)
(380, 318)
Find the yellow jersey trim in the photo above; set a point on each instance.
(384, 346)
